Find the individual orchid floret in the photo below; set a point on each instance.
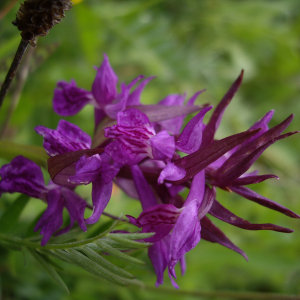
(66, 138)
(70, 99)
(24, 176)
(135, 139)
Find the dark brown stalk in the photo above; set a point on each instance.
(12, 70)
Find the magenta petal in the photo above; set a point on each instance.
(143, 188)
(75, 206)
(197, 189)
(251, 195)
(68, 99)
(158, 254)
(220, 212)
(185, 235)
(52, 218)
(213, 234)
(104, 87)
(132, 117)
(208, 200)
(127, 186)
(101, 194)
(171, 172)
(252, 179)
(68, 137)
(87, 170)
(134, 97)
(163, 145)
(23, 176)
(190, 139)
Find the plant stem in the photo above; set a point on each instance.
(21, 78)
(12, 70)
(224, 294)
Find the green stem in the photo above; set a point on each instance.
(224, 294)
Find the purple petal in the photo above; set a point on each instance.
(190, 139)
(119, 104)
(101, 194)
(87, 170)
(208, 200)
(213, 234)
(197, 189)
(158, 254)
(104, 87)
(191, 101)
(75, 206)
(251, 195)
(99, 116)
(135, 97)
(221, 213)
(171, 172)
(143, 188)
(182, 265)
(163, 145)
(68, 137)
(52, 218)
(214, 122)
(68, 99)
(185, 235)
(23, 176)
(132, 117)
(63, 162)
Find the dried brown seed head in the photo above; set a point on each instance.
(37, 17)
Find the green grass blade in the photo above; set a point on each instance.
(128, 243)
(106, 248)
(48, 268)
(105, 264)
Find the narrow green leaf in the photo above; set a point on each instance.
(78, 259)
(10, 246)
(12, 214)
(106, 248)
(10, 150)
(24, 256)
(105, 264)
(128, 243)
(48, 268)
(133, 236)
(66, 237)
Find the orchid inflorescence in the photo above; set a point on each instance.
(138, 148)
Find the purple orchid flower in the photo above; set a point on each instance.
(97, 169)
(69, 99)
(24, 176)
(135, 139)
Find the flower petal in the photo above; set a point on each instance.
(190, 139)
(104, 87)
(68, 99)
(23, 176)
(68, 137)
(163, 145)
(101, 194)
(171, 172)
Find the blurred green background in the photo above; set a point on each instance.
(189, 45)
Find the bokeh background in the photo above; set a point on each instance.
(189, 45)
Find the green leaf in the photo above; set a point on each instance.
(93, 255)
(12, 214)
(106, 248)
(48, 268)
(128, 243)
(133, 236)
(10, 246)
(78, 259)
(10, 150)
